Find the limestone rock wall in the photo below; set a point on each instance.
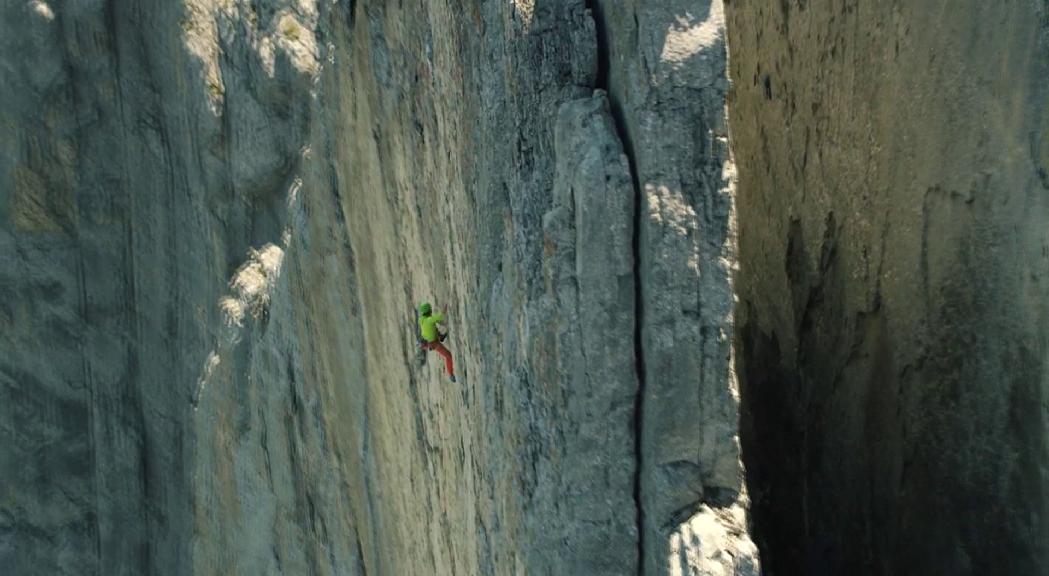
(156, 415)
(216, 216)
(664, 66)
(893, 208)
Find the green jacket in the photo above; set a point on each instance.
(428, 326)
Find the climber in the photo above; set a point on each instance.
(432, 338)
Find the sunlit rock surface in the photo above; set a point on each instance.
(216, 216)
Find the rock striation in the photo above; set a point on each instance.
(216, 216)
(893, 201)
(664, 66)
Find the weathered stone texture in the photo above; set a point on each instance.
(893, 212)
(664, 64)
(216, 216)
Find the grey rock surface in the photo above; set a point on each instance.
(216, 216)
(893, 209)
(665, 69)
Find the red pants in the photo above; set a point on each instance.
(436, 345)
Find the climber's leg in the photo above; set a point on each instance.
(447, 357)
(440, 349)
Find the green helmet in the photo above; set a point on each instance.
(425, 309)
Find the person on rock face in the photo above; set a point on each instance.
(432, 338)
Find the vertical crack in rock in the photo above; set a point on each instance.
(271, 424)
(623, 134)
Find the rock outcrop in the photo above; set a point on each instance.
(216, 216)
(893, 208)
(664, 66)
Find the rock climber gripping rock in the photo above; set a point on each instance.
(432, 337)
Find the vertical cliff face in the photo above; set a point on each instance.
(478, 171)
(157, 416)
(892, 205)
(664, 67)
(215, 218)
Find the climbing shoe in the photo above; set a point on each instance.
(452, 377)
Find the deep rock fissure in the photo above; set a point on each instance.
(623, 133)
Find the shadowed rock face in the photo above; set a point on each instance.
(892, 329)
(216, 216)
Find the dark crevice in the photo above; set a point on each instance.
(715, 498)
(602, 44)
(682, 515)
(603, 82)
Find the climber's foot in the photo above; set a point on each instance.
(452, 377)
